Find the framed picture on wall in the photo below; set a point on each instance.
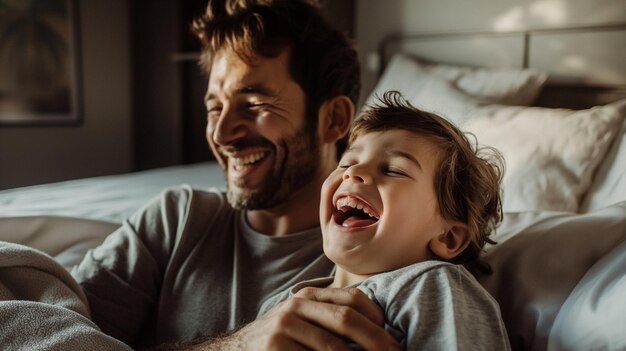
(39, 63)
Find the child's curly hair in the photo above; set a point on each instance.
(467, 182)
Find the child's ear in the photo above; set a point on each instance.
(452, 242)
(335, 118)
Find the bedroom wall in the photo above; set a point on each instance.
(168, 90)
(102, 143)
(142, 108)
(378, 19)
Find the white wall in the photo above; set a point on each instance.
(102, 144)
(377, 19)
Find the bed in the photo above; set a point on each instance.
(556, 110)
(557, 116)
(65, 219)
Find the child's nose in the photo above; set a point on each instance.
(356, 174)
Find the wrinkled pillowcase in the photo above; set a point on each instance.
(435, 95)
(414, 79)
(594, 315)
(540, 258)
(550, 154)
(502, 85)
(609, 183)
(560, 175)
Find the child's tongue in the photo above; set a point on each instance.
(356, 222)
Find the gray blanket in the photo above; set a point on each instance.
(42, 307)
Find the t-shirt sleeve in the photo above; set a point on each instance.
(273, 301)
(443, 308)
(122, 277)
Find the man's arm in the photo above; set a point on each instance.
(122, 277)
(315, 318)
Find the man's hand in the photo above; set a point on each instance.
(317, 319)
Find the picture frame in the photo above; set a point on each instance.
(40, 71)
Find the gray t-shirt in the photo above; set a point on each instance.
(431, 305)
(187, 266)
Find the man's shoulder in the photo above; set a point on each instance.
(185, 197)
(184, 192)
(185, 207)
(181, 216)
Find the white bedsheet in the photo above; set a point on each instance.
(107, 198)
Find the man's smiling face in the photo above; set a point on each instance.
(257, 129)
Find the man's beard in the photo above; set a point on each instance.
(296, 168)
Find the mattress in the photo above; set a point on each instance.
(106, 198)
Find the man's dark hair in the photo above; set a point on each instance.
(321, 59)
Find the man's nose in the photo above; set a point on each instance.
(228, 127)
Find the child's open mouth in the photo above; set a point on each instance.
(351, 212)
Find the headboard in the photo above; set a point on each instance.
(587, 64)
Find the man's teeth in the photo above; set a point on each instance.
(351, 202)
(240, 162)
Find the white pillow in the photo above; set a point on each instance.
(594, 315)
(609, 183)
(442, 98)
(425, 91)
(504, 86)
(539, 259)
(550, 154)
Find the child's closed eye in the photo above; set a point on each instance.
(344, 165)
(392, 171)
(256, 104)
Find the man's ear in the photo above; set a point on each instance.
(452, 242)
(335, 118)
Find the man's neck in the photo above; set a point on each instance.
(299, 213)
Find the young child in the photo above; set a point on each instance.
(410, 203)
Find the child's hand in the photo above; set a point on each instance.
(320, 319)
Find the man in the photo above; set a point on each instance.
(190, 266)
